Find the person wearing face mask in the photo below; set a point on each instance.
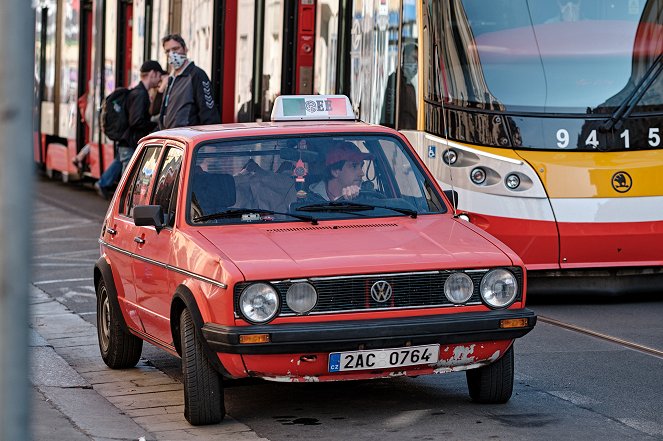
(407, 97)
(188, 99)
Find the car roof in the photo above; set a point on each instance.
(196, 134)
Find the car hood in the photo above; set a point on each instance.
(276, 251)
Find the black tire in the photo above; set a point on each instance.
(119, 349)
(492, 384)
(203, 390)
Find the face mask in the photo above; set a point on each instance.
(176, 59)
(409, 70)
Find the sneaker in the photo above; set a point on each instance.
(101, 191)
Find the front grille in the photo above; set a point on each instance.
(353, 293)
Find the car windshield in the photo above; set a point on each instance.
(307, 179)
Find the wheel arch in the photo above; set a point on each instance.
(184, 299)
(103, 270)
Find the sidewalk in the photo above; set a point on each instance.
(77, 397)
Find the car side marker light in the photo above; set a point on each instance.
(514, 323)
(253, 338)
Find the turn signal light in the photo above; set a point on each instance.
(254, 338)
(514, 323)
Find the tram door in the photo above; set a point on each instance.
(285, 47)
(45, 68)
(112, 63)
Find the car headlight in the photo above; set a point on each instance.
(301, 297)
(458, 288)
(259, 302)
(499, 288)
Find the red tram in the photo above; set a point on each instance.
(253, 51)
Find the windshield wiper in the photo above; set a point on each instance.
(235, 212)
(617, 118)
(354, 206)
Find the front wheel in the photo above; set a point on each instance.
(119, 349)
(492, 384)
(203, 390)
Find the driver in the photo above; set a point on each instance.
(344, 170)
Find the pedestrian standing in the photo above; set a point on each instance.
(189, 99)
(139, 125)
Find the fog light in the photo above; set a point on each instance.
(458, 288)
(512, 181)
(478, 175)
(301, 297)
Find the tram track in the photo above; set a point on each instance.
(625, 343)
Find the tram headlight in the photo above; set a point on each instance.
(478, 175)
(301, 297)
(498, 288)
(259, 302)
(458, 288)
(512, 181)
(450, 156)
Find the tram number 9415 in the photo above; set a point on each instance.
(563, 138)
(383, 358)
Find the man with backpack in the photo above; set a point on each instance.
(126, 119)
(188, 100)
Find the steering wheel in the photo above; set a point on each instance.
(371, 194)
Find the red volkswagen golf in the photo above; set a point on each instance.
(309, 248)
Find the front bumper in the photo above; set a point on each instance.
(369, 334)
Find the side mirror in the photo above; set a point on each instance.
(452, 195)
(149, 215)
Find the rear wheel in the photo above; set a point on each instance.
(492, 384)
(203, 390)
(119, 349)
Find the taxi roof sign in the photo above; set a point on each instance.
(312, 108)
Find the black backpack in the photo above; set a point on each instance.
(113, 119)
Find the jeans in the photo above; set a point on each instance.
(114, 171)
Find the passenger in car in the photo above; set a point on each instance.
(263, 189)
(344, 172)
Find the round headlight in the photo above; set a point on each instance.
(458, 288)
(450, 157)
(259, 302)
(499, 288)
(301, 297)
(478, 175)
(512, 181)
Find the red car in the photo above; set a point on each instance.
(309, 248)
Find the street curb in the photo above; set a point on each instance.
(106, 404)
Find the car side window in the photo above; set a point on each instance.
(165, 189)
(137, 189)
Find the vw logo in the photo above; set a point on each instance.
(621, 182)
(381, 291)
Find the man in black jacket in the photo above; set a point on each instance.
(138, 115)
(189, 99)
(407, 96)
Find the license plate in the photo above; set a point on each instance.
(383, 358)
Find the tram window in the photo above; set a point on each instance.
(272, 56)
(165, 191)
(326, 50)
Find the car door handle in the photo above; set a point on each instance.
(139, 240)
(111, 231)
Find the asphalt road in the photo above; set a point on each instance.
(569, 384)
